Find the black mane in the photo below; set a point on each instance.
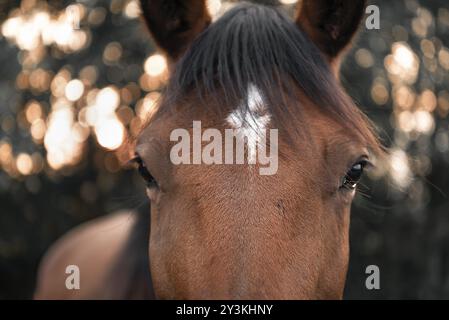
(261, 45)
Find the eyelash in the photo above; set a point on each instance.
(144, 173)
(350, 182)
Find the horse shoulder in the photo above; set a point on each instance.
(93, 248)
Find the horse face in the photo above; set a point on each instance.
(233, 230)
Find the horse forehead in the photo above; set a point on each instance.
(253, 114)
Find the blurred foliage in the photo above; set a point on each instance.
(77, 78)
(400, 76)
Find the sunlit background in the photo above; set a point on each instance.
(78, 79)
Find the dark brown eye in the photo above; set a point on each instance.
(353, 176)
(144, 173)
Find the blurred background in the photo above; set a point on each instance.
(77, 78)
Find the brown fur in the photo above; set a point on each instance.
(223, 231)
(174, 24)
(94, 247)
(331, 24)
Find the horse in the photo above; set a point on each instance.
(226, 231)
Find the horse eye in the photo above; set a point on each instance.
(353, 176)
(144, 173)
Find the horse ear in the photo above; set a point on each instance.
(174, 24)
(331, 24)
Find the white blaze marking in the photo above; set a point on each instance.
(254, 120)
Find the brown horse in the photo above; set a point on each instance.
(222, 231)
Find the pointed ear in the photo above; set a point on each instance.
(331, 24)
(174, 24)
